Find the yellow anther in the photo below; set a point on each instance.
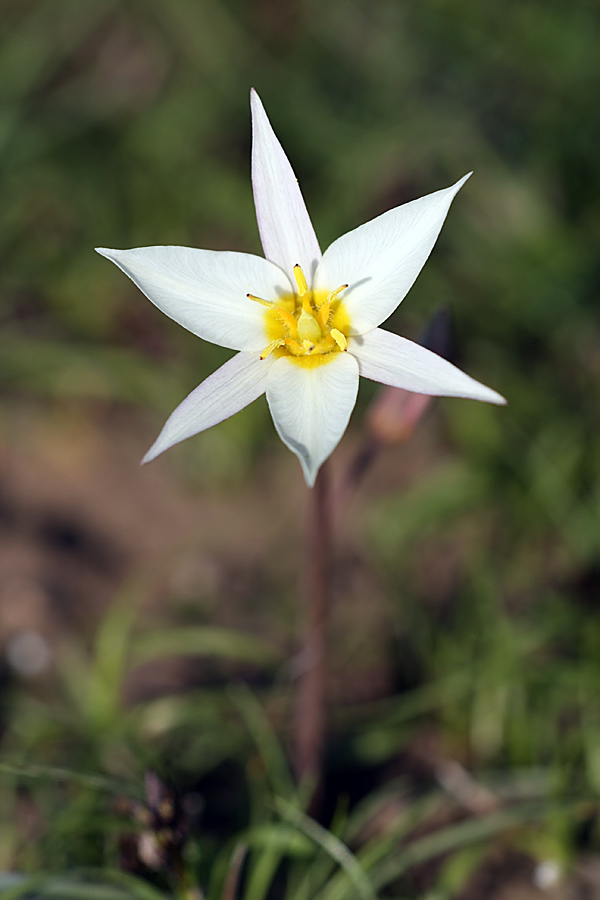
(300, 280)
(259, 300)
(272, 346)
(339, 339)
(335, 294)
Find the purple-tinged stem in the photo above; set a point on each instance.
(311, 700)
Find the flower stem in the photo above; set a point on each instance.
(310, 706)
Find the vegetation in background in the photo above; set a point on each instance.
(127, 123)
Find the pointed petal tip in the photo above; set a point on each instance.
(485, 395)
(107, 253)
(309, 476)
(462, 181)
(157, 449)
(498, 399)
(148, 457)
(256, 104)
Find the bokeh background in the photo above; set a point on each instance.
(149, 619)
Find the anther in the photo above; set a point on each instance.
(300, 280)
(339, 339)
(259, 300)
(335, 294)
(272, 346)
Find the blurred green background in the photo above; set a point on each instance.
(136, 603)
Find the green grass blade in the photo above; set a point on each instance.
(333, 846)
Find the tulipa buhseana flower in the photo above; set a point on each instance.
(305, 324)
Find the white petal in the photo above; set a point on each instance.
(311, 407)
(396, 361)
(205, 290)
(286, 231)
(232, 387)
(381, 259)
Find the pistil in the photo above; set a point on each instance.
(304, 328)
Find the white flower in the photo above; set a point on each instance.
(305, 324)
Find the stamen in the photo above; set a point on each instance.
(335, 294)
(300, 280)
(260, 300)
(289, 320)
(272, 346)
(323, 314)
(303, 325)
(339, 339)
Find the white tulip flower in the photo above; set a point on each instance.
(305, 324)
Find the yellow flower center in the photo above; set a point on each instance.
(308, 326)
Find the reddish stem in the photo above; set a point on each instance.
(310, 706)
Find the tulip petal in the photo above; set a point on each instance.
(205, 290)
(394, 360)
(228, 390)
(286, 232)
(381, 259)
(311, 407)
